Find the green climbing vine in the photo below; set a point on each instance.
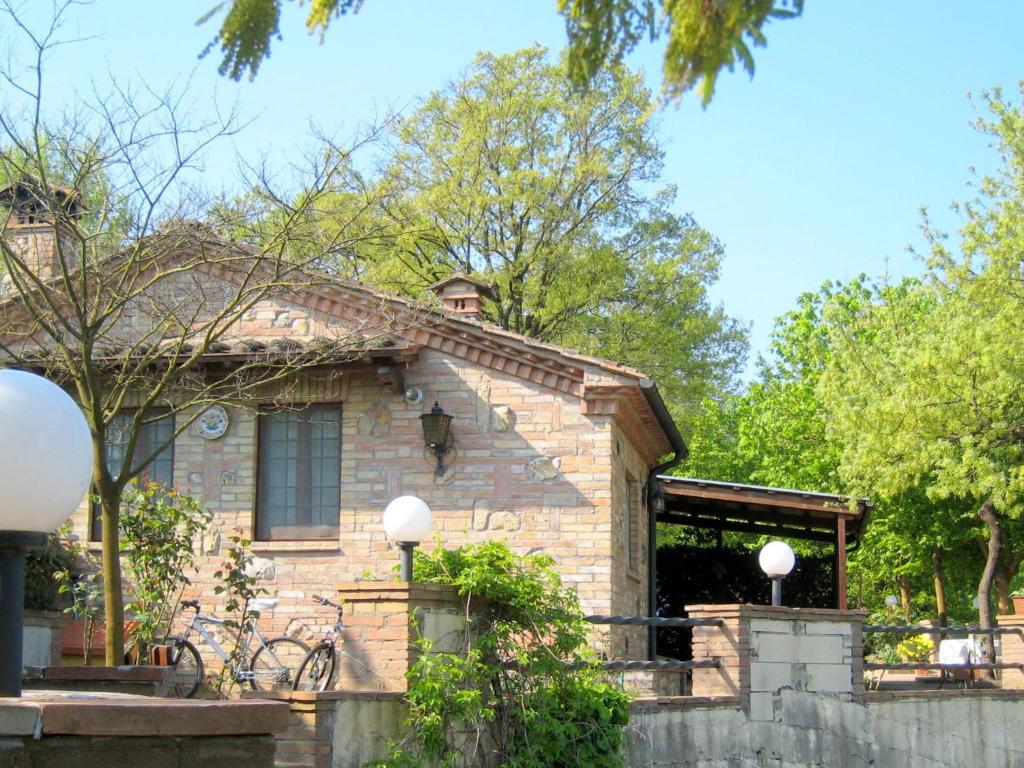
(525, 691)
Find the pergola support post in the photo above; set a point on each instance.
(652, 580)
(841, 563)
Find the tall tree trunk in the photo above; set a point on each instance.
(903, 581)
(1008, 566)
(1001, 584)
(113, 599)
(988, 515)
(940, 587)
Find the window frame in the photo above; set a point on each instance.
(633, 511)
(165, 411)
(260, 459)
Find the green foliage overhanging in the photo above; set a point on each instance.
(524, 692)
(703, 38)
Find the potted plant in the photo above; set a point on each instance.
(1017, 596)
(917, 649)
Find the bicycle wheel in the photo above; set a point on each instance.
(186, 670)
(317, 669)
(274, 664)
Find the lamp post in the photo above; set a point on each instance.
(407, 522)
(777, 560)
(45, 469)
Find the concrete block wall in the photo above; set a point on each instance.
(762, 650)
(337, 729)
(43, 634)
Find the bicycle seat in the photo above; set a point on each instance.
(263, 604)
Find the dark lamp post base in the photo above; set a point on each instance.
(407, 547)
(14, 545)
(776, 590)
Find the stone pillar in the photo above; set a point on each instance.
(383, 622)
(1012, 649)
(763, 649)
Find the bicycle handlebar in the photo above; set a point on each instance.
(190, 604)
(325, 601)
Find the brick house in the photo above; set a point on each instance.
(551, 450)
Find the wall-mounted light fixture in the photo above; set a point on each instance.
(437, 427)
(655, 497)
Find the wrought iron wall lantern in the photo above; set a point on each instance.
(437, 426)
(655, 497)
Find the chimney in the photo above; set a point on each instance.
(31, 227)
(463, 295)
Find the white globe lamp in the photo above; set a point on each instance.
(777, 560)
(45, 470)
(407, 521)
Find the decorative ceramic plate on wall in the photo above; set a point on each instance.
(213, 423)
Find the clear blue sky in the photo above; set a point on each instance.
(816, 169)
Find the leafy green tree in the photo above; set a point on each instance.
(553, 197)
(926, 383)
(703, 38)
(776, 434)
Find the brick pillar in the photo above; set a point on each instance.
(762, 649)
(383, 621)
(729, 644)
(1012, 649)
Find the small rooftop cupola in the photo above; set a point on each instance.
(463, 295)
(33, 221)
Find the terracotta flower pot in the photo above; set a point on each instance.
(1018, 604)
(160, 655)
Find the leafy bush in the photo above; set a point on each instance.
(158, 533)
(525, 692)
(239, 588)
(44, 568)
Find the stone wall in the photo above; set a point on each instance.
(338, 729)
(528, 466)
(61, 732)
(43, 634)
(936, 729)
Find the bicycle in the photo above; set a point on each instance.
(271, 667)
(317, 668)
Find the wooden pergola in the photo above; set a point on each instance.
(777, 512)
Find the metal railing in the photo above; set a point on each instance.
(959, 629)
(619, 665)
